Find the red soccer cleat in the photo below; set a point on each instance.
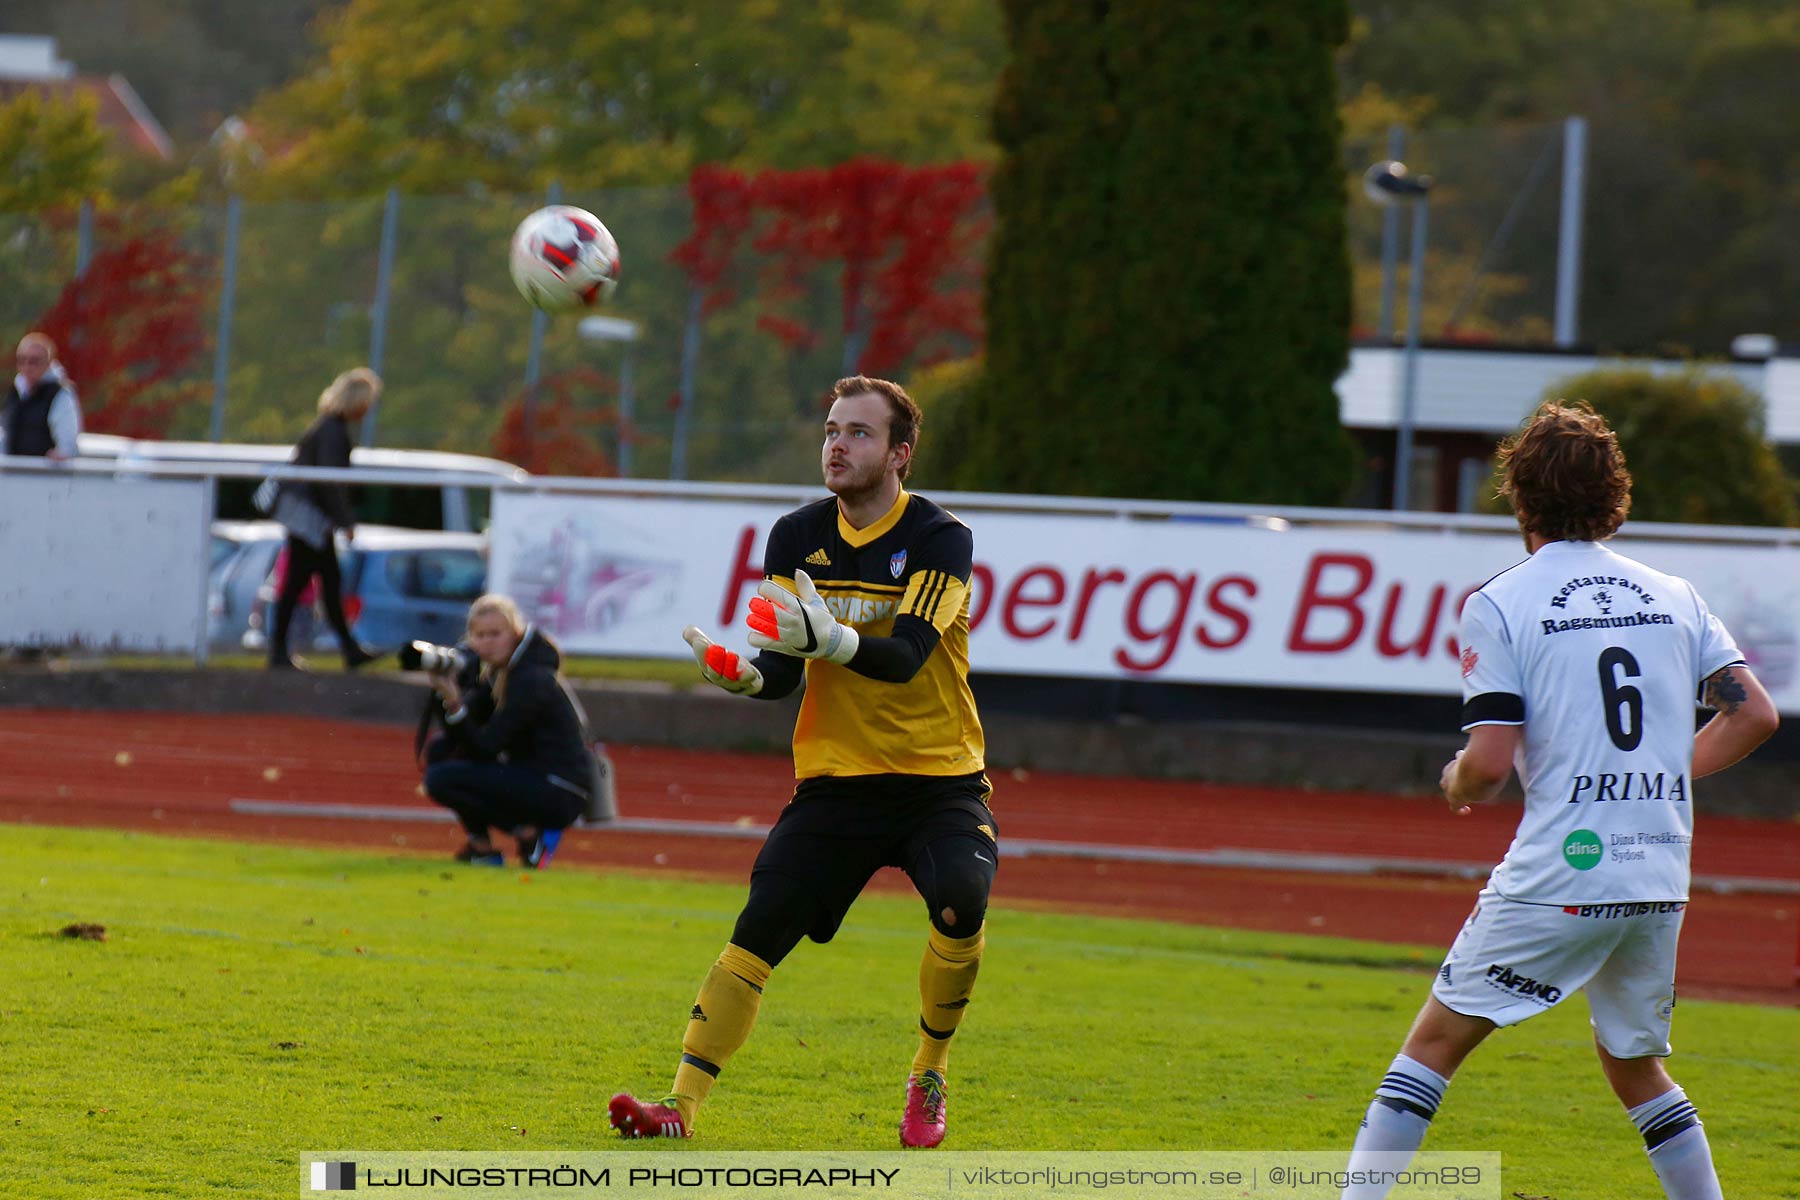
(635, 1119)
(922, 1127)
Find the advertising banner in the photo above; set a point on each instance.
(1358, 607)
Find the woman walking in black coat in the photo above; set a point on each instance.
(313, 512)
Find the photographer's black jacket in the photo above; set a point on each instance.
(535, 724)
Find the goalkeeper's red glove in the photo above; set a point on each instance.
(798, 623)
(721, 667)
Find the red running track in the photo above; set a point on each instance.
(179, 773)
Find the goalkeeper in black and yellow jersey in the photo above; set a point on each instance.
(866, 594)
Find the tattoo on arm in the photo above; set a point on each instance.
(1725, 691)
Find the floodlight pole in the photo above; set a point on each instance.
(234, 208)
(1409, 387)
(626, 333)
(1386, 183)
(1568, 241)
(84, 237)
(625, 434)
(1390, 246)
(384, 282)
(690, 364)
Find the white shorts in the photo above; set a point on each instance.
(1514, 960)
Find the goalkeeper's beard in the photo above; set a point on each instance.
(855, 485)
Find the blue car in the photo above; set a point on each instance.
(400, 585)
(243, 552)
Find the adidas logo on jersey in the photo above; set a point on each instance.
(818, 558)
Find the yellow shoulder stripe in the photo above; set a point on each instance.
(927, 591)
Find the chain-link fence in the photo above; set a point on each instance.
(1492, 254)
(747, 354)
(735, 310)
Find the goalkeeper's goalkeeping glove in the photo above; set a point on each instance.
(798, 623)
(722, 667)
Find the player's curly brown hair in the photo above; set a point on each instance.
(1565, 474)
(904, 417)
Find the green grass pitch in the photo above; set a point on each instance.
(253, 1001)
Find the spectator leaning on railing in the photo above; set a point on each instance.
(40, 416)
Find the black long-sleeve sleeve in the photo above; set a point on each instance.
(894, 659)
(781, 674)
(898, 658)
(327, 444)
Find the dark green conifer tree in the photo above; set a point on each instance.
(1168, 289)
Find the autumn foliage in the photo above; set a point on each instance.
(129, 329)
(904, 241)
(559, 432)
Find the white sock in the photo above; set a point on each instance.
(1677, 1145)
(1395, 1124)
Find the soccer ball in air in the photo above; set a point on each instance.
(564, 259)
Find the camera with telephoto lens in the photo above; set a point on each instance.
(438, 660)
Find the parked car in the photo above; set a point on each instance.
(243, 552)
(400, 585)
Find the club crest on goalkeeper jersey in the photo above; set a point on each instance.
(916, 562)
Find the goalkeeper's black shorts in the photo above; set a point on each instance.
(837, 832)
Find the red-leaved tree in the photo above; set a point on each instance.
(562, 432)
(129, 328)
(724, 208)
(905, 242)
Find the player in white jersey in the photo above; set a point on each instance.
(1581, 668)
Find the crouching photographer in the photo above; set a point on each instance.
(514, 755)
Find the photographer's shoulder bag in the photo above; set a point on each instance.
(602, 790)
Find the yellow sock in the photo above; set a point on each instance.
(723, 1015)
(946, 977)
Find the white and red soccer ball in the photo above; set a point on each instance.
(564, 259)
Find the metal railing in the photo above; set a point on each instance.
(1274, 516)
